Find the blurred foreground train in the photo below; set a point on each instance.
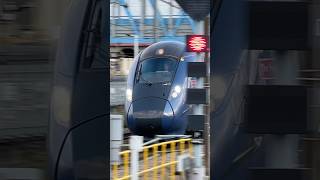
(156, 90)
(78, 134)
(79, 114)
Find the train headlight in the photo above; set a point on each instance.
(129, 95)
(176, 91)
(174, 94)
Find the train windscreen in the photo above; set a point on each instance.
(157, 70)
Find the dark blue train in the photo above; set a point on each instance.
(156, 90)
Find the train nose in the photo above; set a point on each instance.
(151, 116)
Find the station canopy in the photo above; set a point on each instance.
(197, 10)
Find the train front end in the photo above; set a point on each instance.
(155, 95)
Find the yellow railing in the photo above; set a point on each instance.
(153, 167)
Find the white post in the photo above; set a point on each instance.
(199, 26)
(155, 22)
(116, 136)
(136, 144)
(136, 45)
(198, 153)
(113, 20)
(143, 16)
(198, 170)
(170, 25)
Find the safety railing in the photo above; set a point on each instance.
(157, 161)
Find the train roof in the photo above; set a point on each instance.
(172, 49)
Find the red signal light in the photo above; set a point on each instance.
(197, 43)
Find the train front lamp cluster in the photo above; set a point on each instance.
(176, 91)
(129, 94)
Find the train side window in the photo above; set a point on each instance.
(94, 54)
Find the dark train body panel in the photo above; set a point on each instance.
(232, 69)
(156, 90)
(78, 114)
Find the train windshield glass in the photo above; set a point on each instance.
(158, 70)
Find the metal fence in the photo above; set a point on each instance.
(157, 161)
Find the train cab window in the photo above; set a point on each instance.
(94, 53)
(157, 70)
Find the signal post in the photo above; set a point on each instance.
(197, 96)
